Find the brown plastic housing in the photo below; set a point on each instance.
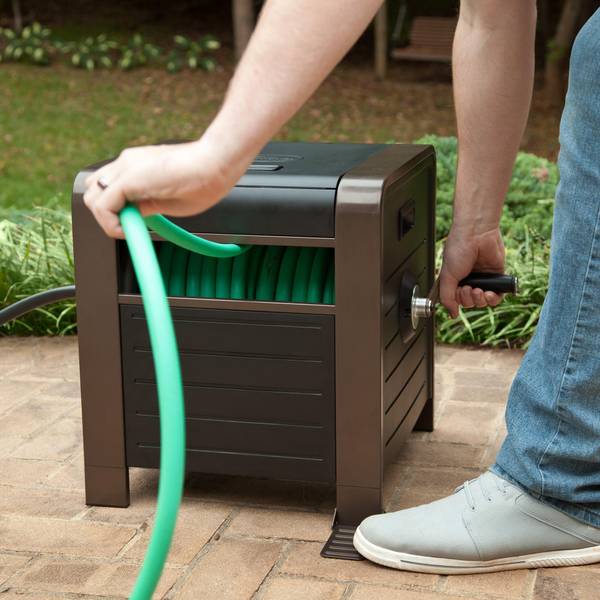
(307, 392)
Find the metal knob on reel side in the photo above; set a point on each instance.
(414, 307)
(420, 308)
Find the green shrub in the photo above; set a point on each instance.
(192, 54)
(91, 53)
(526, 226)
(36, 45)
(36, 254)
(137, 53)
(29, 46)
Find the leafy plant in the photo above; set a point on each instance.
(30, 45)
(137, 53)
(33, 45)
(36, 254)
(91, 53)
(192, 54)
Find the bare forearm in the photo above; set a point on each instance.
(493, 65)
(294, 47)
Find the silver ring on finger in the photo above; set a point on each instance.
(102, 183)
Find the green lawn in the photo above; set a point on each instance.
(55, 121)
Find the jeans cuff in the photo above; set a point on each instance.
(577, 511)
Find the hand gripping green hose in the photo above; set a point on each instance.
(168, 377)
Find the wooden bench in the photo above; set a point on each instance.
(430, 40)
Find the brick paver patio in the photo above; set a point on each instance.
(236, 539)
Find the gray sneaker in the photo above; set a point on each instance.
(487, 524)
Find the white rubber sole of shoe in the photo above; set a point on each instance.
(449, 566)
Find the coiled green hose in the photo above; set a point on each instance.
(189, 267)
(266, 273)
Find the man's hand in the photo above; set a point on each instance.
(177, 179)
(465, 252)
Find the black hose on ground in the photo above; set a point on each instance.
(14, 311)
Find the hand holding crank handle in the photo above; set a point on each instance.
(500, 283)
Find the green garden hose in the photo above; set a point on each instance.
(189, 267)
(263, 273)
(168, 371)
(189, 241)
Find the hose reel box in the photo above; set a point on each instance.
(295, 361)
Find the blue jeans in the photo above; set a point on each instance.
(552, 449)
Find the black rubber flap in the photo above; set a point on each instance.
(339, 545)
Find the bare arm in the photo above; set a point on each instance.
(295, 45)
(493, 67)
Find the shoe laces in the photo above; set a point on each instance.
(466, 486)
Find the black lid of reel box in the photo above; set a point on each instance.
(288, 190)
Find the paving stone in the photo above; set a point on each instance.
(143, 495)
(492, 450)
(48, 359)
(136, 514)
(288, 588)
(438, 481)
(144, 482)
(439, 454)
(12, 594)
(473, 424)
(39, 502)
(576, 583)
(442, 391)
(371, 592)
(467, 357)
(485, 378)
(24, 472)
(62, 389)
(77, 538)
(9, 443)
(393, 479)
(14, 357)
(304, 559)
(478, 393)
(501, 358)
(88, 577)
(56, 442)
(41, 378)
(10, 564)
(67, 371)
(14, 393)
(68, 476)
(32, 415)
(504, 584)
(196, 524)
(231, 570)
(419, 485)
(288, 524)
(442, 352)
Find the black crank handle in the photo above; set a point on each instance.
(424, 307)
(500, 283)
